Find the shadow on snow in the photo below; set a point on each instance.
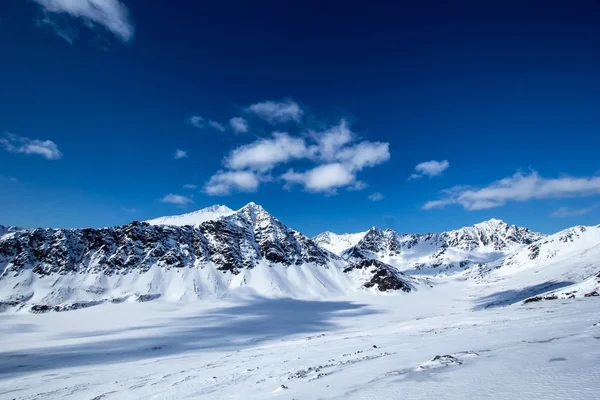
(512, 296)
(228, 328)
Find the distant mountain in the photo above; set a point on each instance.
(210, 253)
(338, 243)
(445, 251)
(565, 265)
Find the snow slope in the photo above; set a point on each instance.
(353, 348)
(566, 263)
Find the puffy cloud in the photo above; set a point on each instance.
(112, 15)
(518, 187)
(190, 186)
(331, 141)
(176, 199)
(277, 112)
(364, 154)
(19, 144)
(238, 124)
(430, 169)
(324, 178)
(564, 212)
(224, 182)
(179, 154)
(337, 158)
(264, 154)
(376, 196)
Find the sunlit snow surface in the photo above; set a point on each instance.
(440, 343)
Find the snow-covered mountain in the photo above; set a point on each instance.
(217, 252)
(565, 265)
(194, 218)
(447, 251)
(243, 250)
(338, 243)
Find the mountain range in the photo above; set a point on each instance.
(217, 252)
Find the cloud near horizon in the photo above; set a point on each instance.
(337, 155)
(519, 187)
(23, 145)
(565, 212)
(176, 199)
(111, 15)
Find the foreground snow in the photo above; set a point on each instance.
(437, 343)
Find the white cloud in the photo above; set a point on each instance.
(190, 186)
(331, 141)
(216, 125)
(376, 196)
(264, 154)
(358, 185)
(364, 154)
(19, 144)
(179, 154)
(112, 15)
(238, 124)
(324, 178)
(518, 187)
(564, 212)
(224, 182)
(176, 199)
(429, 168)
(332, 150)
(277, 112)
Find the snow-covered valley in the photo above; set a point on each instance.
(235, 305)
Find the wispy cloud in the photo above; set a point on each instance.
(190, 186)
(201, 123)
(179, 154)
(176, 199)
(197, 121)
(337, 156)
(19, 144)
(216, 125)
(277, 112)
(111, 15)
(564, 212)
(376, 196)
(429, 168)
(224, 182)
(518, 187)
(238, 124)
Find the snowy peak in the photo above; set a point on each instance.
(338, 243)
(193, 218)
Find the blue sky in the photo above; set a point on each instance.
(332, 115)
